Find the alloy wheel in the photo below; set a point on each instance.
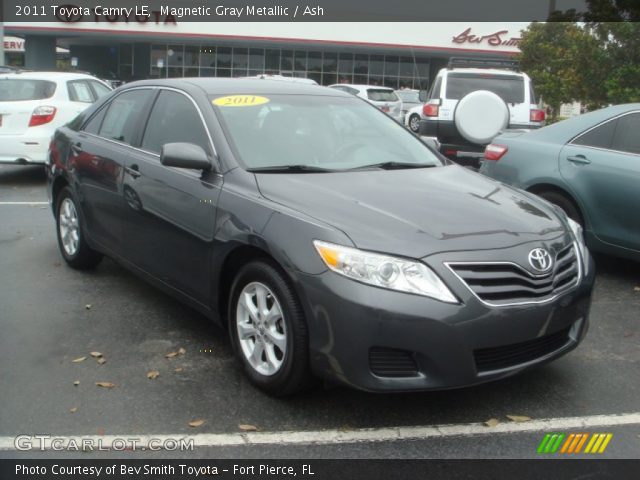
(69, 226)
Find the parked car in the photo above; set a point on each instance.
(34, 104)
(588, 165)
(8, 69)
(472, 100)
(282, 78)
(382, 97)
(326, 238)
(412, 119)
(410, 98)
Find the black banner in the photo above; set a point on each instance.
(318, 469)
(154, 11)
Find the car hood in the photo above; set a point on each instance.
(416, 212)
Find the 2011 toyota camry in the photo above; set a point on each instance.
(328, 240)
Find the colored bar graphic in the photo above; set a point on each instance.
(574, 442)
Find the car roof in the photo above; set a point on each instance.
(361, 85)
(484, 71)
(567, 129)
(255, 86)
(47, 75)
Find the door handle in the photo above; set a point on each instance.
(579, 159)
(133, 170)
(76, 148)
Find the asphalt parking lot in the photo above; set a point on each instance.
(51, 315)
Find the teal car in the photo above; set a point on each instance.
(589, 166)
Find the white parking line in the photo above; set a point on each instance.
(333, 437)
(24, 203)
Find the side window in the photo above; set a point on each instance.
(600, 137)
(435, 89)
(124, 116)
(626, 138)
(99, 89)
(93, 126)
(79, 91)
(173, 119)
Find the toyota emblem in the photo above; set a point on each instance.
(540, 259)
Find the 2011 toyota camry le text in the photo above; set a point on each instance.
(326, 238)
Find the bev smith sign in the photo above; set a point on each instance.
(500, 38)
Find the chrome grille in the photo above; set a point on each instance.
(506, 283)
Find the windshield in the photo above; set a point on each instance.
(508, 87)
(409, 96)
(322, 132)
(381, 95)
(15, 90)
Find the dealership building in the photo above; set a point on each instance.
(398, 55)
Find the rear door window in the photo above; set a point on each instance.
(508, 87)
(435, 89)
(99, 89)
(124, 116)
(79, 91)
(381, 95)
(599, 137)
(627, 134)
(19, 90)
(174, 118)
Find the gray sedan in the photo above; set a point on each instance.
(588, 165)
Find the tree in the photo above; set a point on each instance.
(555, 55)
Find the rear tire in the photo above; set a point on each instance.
(565, 203)
(70, 233)
(414, 123)
(268, 330)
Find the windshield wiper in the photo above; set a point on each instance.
(395, 165)
(290, 169)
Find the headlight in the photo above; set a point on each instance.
(578, 234)
(384, 271)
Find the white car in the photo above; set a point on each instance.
(382, 97)
(34, 104)
(412, 118)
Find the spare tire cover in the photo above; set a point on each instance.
(480, 116)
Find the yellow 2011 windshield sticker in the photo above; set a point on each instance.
(240, 101)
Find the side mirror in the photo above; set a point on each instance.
(423, 95)
(184, 155)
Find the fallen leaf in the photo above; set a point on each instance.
(248, 428)
(196, 423)
(178, 370)
(76, 383)
(78, 360)
(171, 354)
(102, 360)
(518, 418)
(105, 384)
(95, 354)
(182, 351)
(73, 410)
(628, 334)
(153, 374)
(88, 306)
(492, 422)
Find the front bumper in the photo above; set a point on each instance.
(22, 149)
(355, 328)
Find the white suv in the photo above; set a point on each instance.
(473, 100)
(382, 97)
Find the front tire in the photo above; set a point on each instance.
(268, 330)
(565, 203)
(70, 232)
(414, 123)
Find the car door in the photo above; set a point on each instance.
(602, 166)
(171, 212)
(97, 159)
